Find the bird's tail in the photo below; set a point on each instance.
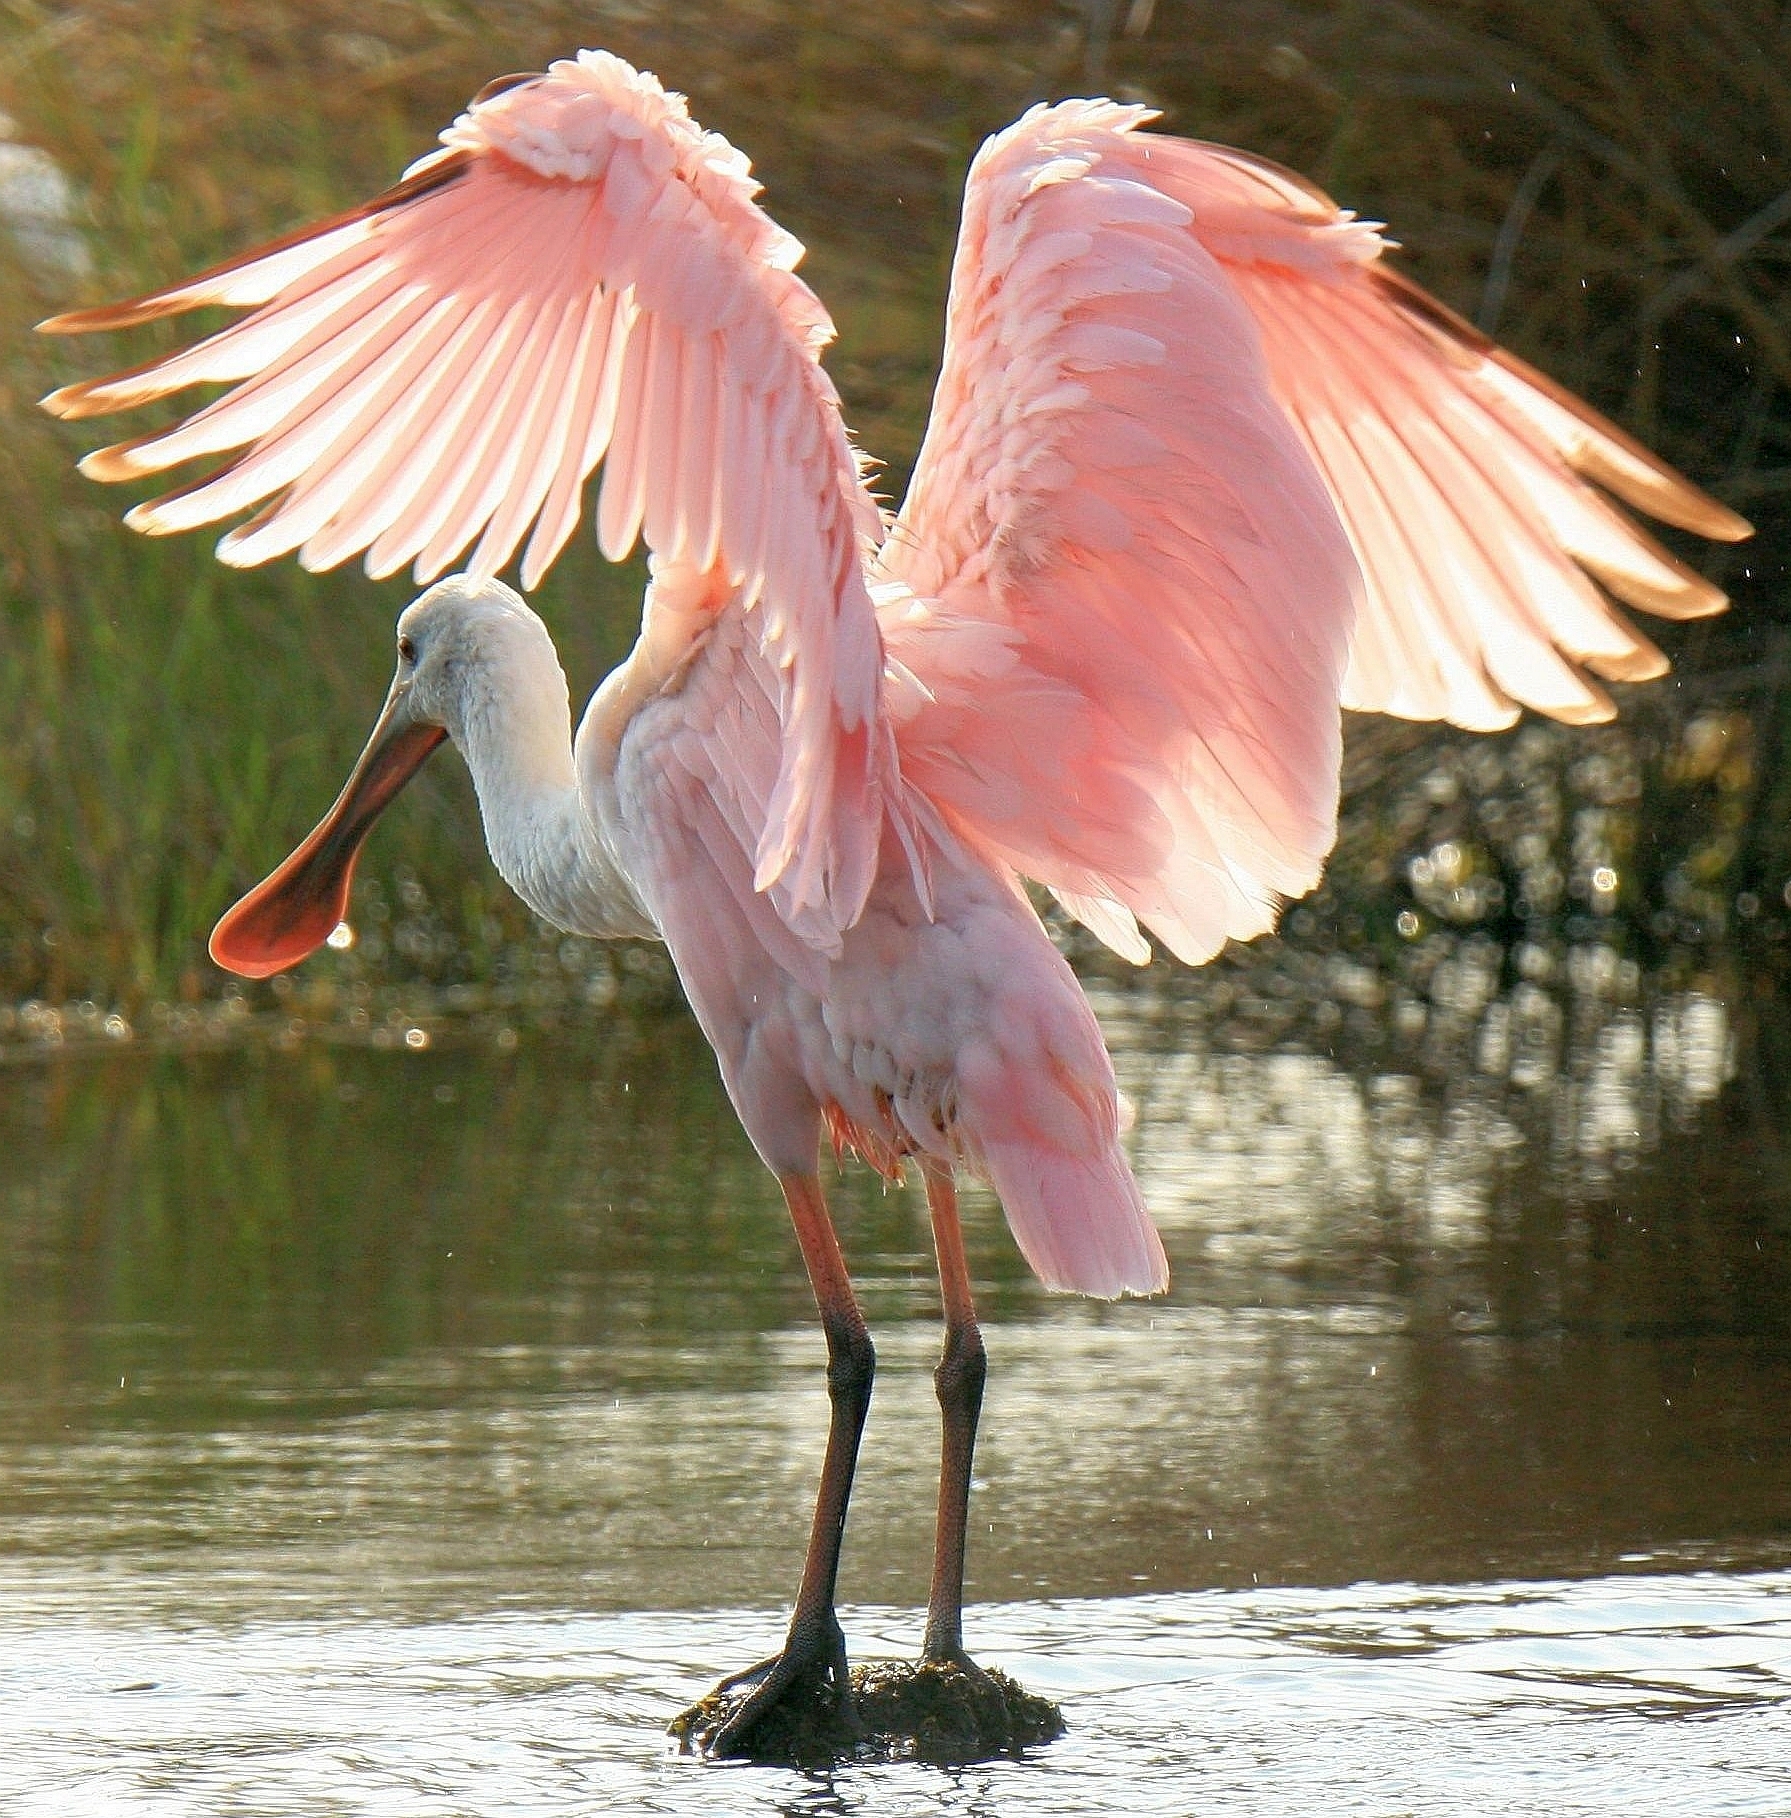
(1079, 1222)
(1038, 1112)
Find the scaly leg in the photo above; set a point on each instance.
(814, 1652)
(959, 1383)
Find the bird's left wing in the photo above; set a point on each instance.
(578, 274)
(1124, 595)
(1472, 487)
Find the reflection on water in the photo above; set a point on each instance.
(507, 1322)
(1499, 1091)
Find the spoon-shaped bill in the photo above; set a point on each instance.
(292, 913)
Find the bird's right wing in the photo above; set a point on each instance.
(578, 274)
(1122, 596)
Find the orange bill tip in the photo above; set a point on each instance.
(287, 916)
(295, 910)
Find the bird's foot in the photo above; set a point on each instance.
(950, 1660)
(944, 1709)
(794, 1708)
(947, 1709)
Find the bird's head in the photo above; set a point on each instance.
(451, 641)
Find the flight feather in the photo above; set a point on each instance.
(578, 274)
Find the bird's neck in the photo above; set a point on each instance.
(548, 843)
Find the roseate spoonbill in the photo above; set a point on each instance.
(1201, 467)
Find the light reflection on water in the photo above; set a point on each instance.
(1292, 1127)
(1616, 1696)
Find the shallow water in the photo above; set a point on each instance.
(1617, 1695)
(414, 1429)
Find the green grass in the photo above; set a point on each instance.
(1596, 173)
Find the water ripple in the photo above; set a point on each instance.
(1608, 1696)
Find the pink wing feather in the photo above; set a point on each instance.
(1131, 598)
(580, 274)
(1460, 473)
(1170, 369)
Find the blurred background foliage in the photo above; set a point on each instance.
(1603, 183)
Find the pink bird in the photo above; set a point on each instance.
(1201, 468)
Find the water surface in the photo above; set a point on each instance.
(391, 1427)
(1658, 1693)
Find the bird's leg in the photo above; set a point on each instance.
(959, 1383)
(814, 1652)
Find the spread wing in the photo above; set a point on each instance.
(1461, 474)
(1172, 371)
(1125, 598)
(579, 274)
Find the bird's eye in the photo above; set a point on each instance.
(407, 648)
